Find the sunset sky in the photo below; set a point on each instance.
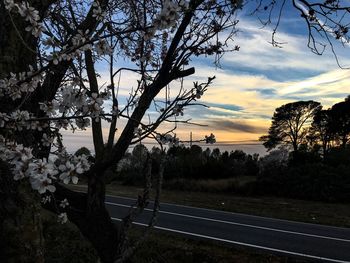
(251, 83)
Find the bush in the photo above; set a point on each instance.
(83, 150)
(338, 156)
(311, 181)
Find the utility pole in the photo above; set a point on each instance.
(190, 139)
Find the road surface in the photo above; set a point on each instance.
(315, 242)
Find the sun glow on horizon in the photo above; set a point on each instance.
(248, 87)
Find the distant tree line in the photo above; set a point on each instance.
(190, 163)
(308, 158)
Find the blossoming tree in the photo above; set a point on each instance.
(49, 55)
(49, 82)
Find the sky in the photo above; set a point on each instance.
(252, 82)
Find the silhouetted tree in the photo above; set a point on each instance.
(238, 155)
(207, 153)
(216, 153)
(290, 124)
(196, 150)
(139, 154)
(320, 132)
(340, 123)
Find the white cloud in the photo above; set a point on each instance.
(245, 91)
(256, 58)
(257, 52)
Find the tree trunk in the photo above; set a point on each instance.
(20, 222)
(21, 237)
(344, 140)
(20, 225)
(324, 149)
(93, 221)
(16, 52)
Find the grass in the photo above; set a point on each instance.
(209, 185)
(65, 244)
(168, 248)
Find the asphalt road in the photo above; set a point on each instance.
(315, 242)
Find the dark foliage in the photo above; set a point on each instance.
(306, 176)
(289, 124)
(318, 168)
(191, 163)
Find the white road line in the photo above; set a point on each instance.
(242, 243)
(241, 224)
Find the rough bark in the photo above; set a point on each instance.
(21, 237)
(20, 222)
(93, 221)
(16, 51)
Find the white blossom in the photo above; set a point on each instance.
(168, 139)
(97, 12)
(199, 92)
(80, 38)
(138, 132)
(64, 203)
(103, 48)
(42, 167)
(36, 29)
(49, 42)
(49, 107)
(46, 199)
(82, 164)
(15, 93)
(29, 13)
(46, 140)
(9, 4)
(178, 110)
(168, 16)
(42, 184)
(4, 118)
(68, 173)
(10, 86)
(19, 170)
(63, 123)
(82, 123)
(62, 218)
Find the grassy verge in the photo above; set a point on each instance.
(291, 209)
(65, 244)
(227, 185)
(169, 248)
